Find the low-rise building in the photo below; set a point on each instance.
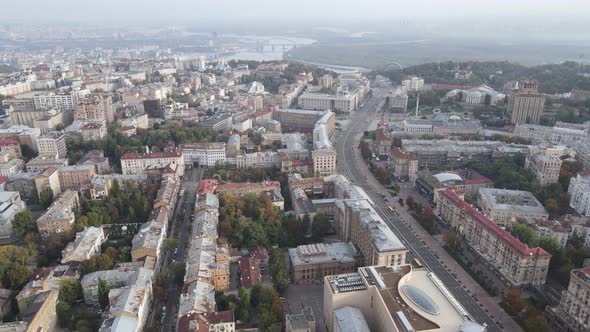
(86, 245)
(504, 206)
(249, 272)
(311, 263)
(303, 322)
(468, 181)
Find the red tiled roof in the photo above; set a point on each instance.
(166, 154)
(399, 153)
(8, 141)
(299, 162)
(503, 235)
(207, 186)
(226, 316)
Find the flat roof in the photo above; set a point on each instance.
(509, 200)
(342, 252)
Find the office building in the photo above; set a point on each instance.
(526, 104)
(579, 191)
(311, 263)
(392, 298)
(505, 206)
(62, 101)
(218, 122)
(572, 314)
(514, 260)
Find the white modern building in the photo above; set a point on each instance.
(207, 154)
(579, 191)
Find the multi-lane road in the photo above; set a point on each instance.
(350, 165)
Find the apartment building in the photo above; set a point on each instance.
(136, 163)
(86, 244)
(59, 217)
(94, 107)
(266, 159)
(504, 206)
(48, 178)
(75, 177)
(514, 260)
(24, 135)
(545, 163)
(568, 134)
(413, 83)
(93, 131)
(204, 154)
(62, 101)
(324, 162)
(300, 120)
(403, 164)
(41, 162)
(573, 312)
(579, 191)
(526, 104)
(52, 144)
(11, 147)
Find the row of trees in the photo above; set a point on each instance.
(423, 214)
(69, 314)
(262, 301)
(277, 266)
(524, 313)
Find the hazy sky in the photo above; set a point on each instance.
(169, 10)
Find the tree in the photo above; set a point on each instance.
(525, 234)
(178, 270)
(453, 242)
(382, 176)
(24, 224)
(410, 202)
(169, 244)
(243, 310)
(46, 197)
(514, 302)
(103, 293)
(16, 276)
(536, 323)
(69, 291)
(27, 152)
(320, 226)
(427, 218)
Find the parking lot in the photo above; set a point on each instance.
(298, 296)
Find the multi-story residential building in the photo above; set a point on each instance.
(11, 147)
(545, 164)
(52, 144)
(62, 102)
(324, 162)
(392, 298)
(204, 154)
(383, 139)
(399, 100)
(60, 217)
(413, 83)
(579, 191)
(568, 134)
(86, 244)
(266, 159)
(93, 131)
(324, 154)
(49, 178)
(41, 162)
(148, 241)
(51, 120)
(504, 206)
(136, 163)
(341, 103)
(573, 312)
(519, 264)
(10, 205)
(15, 89)
(75, 177)
(24, 183)
(24, 135)
(97, 159)
(311, 263)
(95, 107)
(403, 164)
(10, 167)
(526, 104)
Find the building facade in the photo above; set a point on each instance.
(526, 104)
